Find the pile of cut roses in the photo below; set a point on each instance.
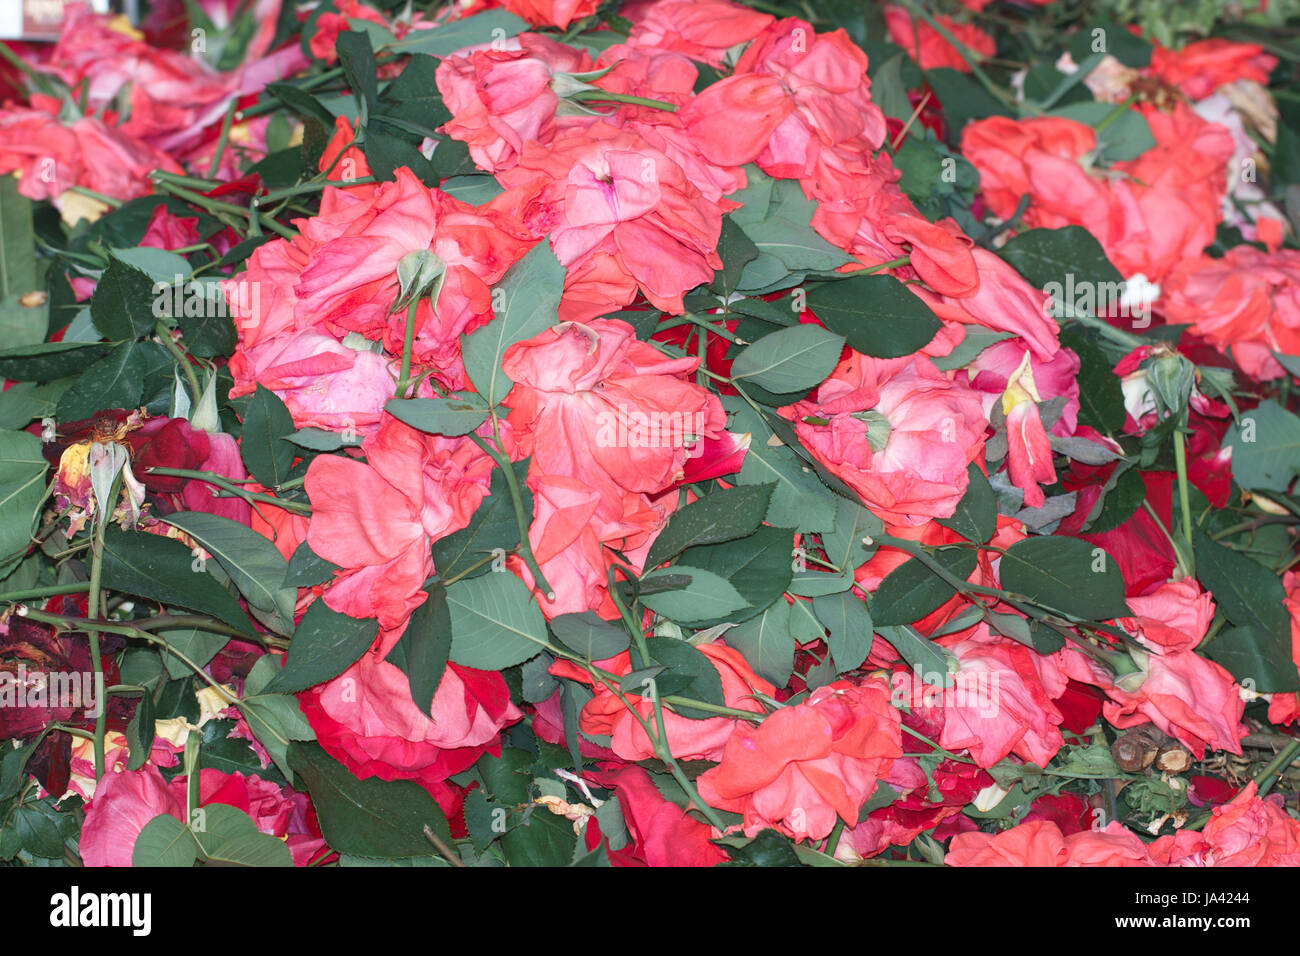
(653, 433)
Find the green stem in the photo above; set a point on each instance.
(604, 96)
(882, 266)
(98, 197)
(92, 611)
(408, 343)
(311, 187)
(517, 502)
(53, 591)
(833, 841)
(225, 484)
(1268, 776)
(700, 322)
(966, 54)
(183, 360)
(222, 140)
(1184, 498)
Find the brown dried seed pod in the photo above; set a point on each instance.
(1173, 759)
(1133, 752)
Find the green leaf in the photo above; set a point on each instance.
(23, 324)
(876, 314)
(844, 543)
(849, 622)
(115, 381)
(255, 566)
(799, 499)
(359, 67)
(912, 590)
(386, 154)
(440, 416)
(1119, 503)
(495, 623)
(1131, 49)
(165, 841)
(1101, 397)
(531, 293)
(230, 837)
(722, 515)
(123, 304)
(13, 765)
(758, 566)
(475, 30)
(267, 454)
(589, 635)
(505, 777)
(766, 643)
(23, 402)
(372, 817)
(324, 645)
(689, 674)
(963, 99)
(306, 568)
(276, 719)
(209, 334)
(769, 848)
(17, 244)
(1255, 655)
(493, 526)
(1067, 574)
(140, 732)
(425, 646)
(736, 251)
(976, 517)
(1250, 596)
(22, 488)
(301, 102)
(46, 361)
(544, 839)
(924, 656)
(197, 645)
(704, 596)
(1048, 256)
(318, 439)
(1265, 446)
(161, 569)
(1125, 137)
(789, 360)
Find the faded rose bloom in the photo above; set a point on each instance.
(704, 30)
(1285, 708)
(1041, 843)
(365, 719)
(1200, 68)
(376, 520)
(689, 739)
(898, 431)
(126, 801)
(621, 214)
(552, 13)
(501, 99)
(807, 764)
(1247, 302)
(609, 424)
(927, 46)
(1249, 831)
(663, 834)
